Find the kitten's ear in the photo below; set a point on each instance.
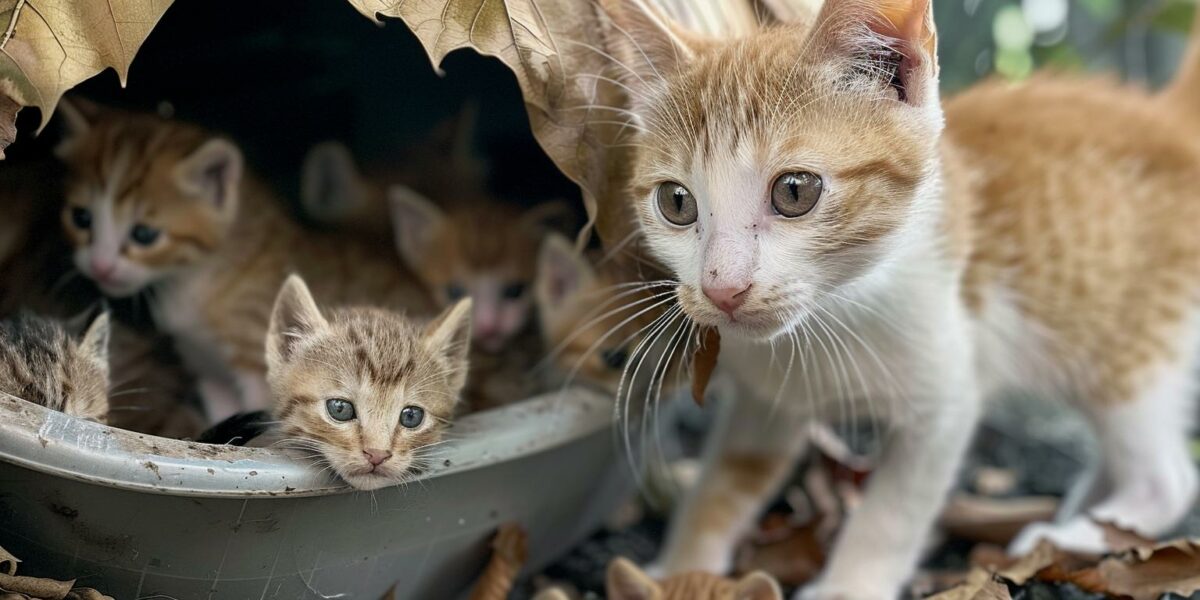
(646, 43)
(561, 273)
(294, 317)
(625, 581)
(212, 172)
(331, 187)
(94, 343)
(414, 221)
(450, 334)
(891, 40)
(757, 586)
(76, 115)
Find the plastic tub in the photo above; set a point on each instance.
(138, 516)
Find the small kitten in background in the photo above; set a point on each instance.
(41, 363)
(160, 208)
(625, 581)
(593, 318)
(367, 388)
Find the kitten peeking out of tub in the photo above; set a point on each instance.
(41, 363)
(366, 389)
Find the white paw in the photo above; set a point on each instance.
(1078, 534)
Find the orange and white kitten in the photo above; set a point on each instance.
(624, 581)
(866, 253)
(463, 244)
(166, 208)
(368, 389)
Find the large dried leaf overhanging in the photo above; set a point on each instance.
(49, 46)
(555, 49)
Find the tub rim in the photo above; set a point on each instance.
(54, 443)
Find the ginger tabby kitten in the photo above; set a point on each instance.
(163, 208)
(624, 581)
(367, 389)
(866, 252)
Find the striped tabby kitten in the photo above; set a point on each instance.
(624, 581)
(367, 389)
(160, 207)
(865, 249)
(41, 363)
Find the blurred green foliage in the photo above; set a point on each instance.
(1139, 39)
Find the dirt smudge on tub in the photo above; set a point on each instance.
(153, 467)
(89, 533)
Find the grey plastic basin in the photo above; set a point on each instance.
(144, 517)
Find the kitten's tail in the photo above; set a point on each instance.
(1184, 90)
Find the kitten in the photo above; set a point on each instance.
(41, 363)
(164, 209)
(592, 319)
(625, 581)
(466, 244)
(366, 388)
(858, 261)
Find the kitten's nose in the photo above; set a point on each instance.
(102, 268)
(375, 457)
(728, 299)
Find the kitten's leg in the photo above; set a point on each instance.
(748, 454)
(880, 546)
(1146, 462)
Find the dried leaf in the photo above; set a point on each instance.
(87, 594)
(1120, 539)
(49, 46)
(8, 562)
(979, 586)
(994, 520)
(44, 589)
(1145, 573)
(8, 121)
(704, 361)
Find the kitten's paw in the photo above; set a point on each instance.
(1078, 534)
(827, 591)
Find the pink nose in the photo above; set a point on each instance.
(102, 268)
(728, 299)
(375, 457)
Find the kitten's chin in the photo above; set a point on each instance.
(368, 481)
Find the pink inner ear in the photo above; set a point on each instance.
(910, 22)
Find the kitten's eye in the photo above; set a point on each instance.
(513, 291)
(412, 416)
(340, 409)
(794, 194)
(143, 235)
(677, 204)
(615, 358)
(455, 292)
(81, 217)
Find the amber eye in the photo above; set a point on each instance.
(676, 204)
(340, 409)
(81, 217)
(412, 416)
(795, 194)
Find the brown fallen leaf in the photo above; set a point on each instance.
(49, 46)
(508, 556)
(994, 520)
(87, 594)
(1120, 539)
(8, 562)
(1145, 573)
(8, 121)
(704, 361)
(37, 587)
(980, 585)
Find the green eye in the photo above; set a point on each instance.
(340, 409)
(412, 416)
